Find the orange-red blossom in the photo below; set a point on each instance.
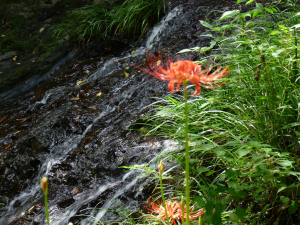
(182, 70)
(174, 211)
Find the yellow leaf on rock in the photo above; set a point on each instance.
(126, 74)
(87, 71)
(32, 208)
(99, 94)
(80, 81)
(74, 99)
(15, 58)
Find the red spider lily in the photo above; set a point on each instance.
(187, 70)
(174, 211)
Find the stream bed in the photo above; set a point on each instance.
(75, 124)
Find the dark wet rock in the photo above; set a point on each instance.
(31, 146)
(8, 55)
(66, 202)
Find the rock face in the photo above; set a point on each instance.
(76, 123)
(8, 56)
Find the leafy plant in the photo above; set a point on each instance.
(244, 137)
(131, 18)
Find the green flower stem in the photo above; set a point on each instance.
(162, 196)
(182, 210)
(46, 208)
(187, 159)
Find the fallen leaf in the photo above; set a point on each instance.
(158, 62)
(3, 118)
(87, 71)
(126, 74)
(120, 159)
(94, 108)
(77, 117)
(23, 119)
(32, 208)
(99, 94)
(75, 191)
(8, 146)
(80, 81)
(74, 99)
(15, 58)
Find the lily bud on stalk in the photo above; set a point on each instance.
(44, 184)
(161, 167)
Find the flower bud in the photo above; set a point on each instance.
(44, 184)
(161, 167)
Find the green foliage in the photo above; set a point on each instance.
(131, 18)
(244, 137)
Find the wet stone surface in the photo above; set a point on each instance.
(73, 126)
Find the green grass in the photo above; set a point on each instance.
(132, 18)
(244, 137)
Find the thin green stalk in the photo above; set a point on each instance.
(296, 57)
(161, 170)
(47, 209)
(187, 159)
(182, 210)
(44, 185)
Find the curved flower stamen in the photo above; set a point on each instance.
(177, 72)
(174, 211)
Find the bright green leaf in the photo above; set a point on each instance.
(202, 169)
(293, 207)
(229, 14)
(260, 7)
(285, 163)
(240, 212)
(284, 199)
(274, 32)
(269, 10)
(243, 151)
(255, 13)
(205, 24)
(281, 189)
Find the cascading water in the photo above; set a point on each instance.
(73, 127)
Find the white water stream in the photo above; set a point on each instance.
(58, 153)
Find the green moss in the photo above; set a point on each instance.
(17, 73)
(43, 56)
(20, 70)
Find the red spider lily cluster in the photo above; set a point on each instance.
(174, 211)
(176, 72)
